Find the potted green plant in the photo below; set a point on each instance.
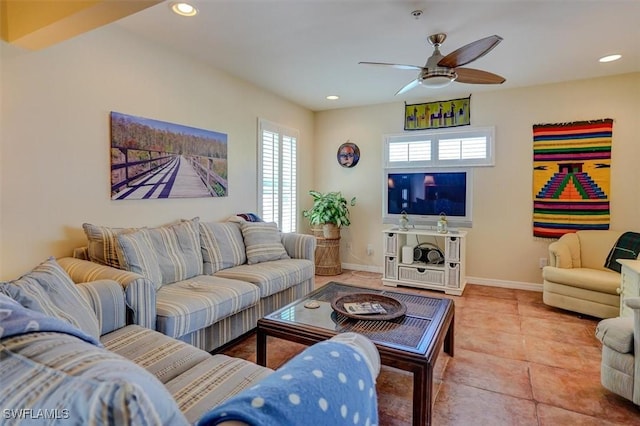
(331, 211)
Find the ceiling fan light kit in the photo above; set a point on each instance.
(437, 78)
(440, 71)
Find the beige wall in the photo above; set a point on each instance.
(501, 249)
(54, 151)
(54, 148)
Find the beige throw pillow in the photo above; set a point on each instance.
(263, 242)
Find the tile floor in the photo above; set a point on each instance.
(517, 362)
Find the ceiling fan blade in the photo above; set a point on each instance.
(408, 86)
(473, 76)
(398, 66)
(470, 52)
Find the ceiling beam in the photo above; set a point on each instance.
(36, 24)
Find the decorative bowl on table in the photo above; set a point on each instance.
(358, 303)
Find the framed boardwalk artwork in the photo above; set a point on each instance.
(156, 159)
(571, 177)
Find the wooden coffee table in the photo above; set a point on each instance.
(411, 343)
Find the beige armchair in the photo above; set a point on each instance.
(576, 278)
(620, 368)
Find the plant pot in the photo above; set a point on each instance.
(317, 231)
(330, 231)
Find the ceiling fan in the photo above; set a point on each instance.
(440, 70)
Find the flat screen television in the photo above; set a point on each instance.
(424, 195)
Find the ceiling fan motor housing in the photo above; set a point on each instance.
(434, 76)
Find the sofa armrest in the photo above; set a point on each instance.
(140, 293)
(565, 253)
(299, 246)
(633, 303)
(106, 298)
(559, 255)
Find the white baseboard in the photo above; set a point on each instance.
(489, 282)
(516, 285)
(365, 268)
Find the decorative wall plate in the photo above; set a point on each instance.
(348, 154)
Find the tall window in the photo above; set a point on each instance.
(277, 175)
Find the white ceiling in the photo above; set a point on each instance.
(304, 50)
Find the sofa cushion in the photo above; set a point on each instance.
(222, 246)
(212, 382)
(46, 371)
(595, 246)
(165, 254)
(137, 254)
(192, 304)
(262, 241)
(616, 333)
(178, 250)
(604, 281)
(48, 289)
(272, 277)
(102, 244)
(162, 356)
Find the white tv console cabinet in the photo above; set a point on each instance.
(448, 276)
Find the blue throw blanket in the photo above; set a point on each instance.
(16, 320)
(327, 384)
(627, 247)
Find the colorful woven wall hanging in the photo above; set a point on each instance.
(439, 114)
(571, 177)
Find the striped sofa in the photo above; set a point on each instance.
(62, 373)
(68, 357)
(202, 283)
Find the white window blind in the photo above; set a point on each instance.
(462, 148)
(441, 148)
(403, 151)
(277, 175)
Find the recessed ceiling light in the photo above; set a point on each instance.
(610, 58)
(184, 9)
(333, 97)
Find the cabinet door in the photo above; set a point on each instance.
(630, 287)
(623, 309)
(391, 268)
(452, 250)
(390, 244)
(453, 274)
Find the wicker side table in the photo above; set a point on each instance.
(328, 256)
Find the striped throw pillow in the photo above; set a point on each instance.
(166, 254)
(222, 246)
(262, 241)
(102, 243)
(137, 254)
(48, 289)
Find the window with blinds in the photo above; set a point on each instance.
(441, 148)
(277, 185)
